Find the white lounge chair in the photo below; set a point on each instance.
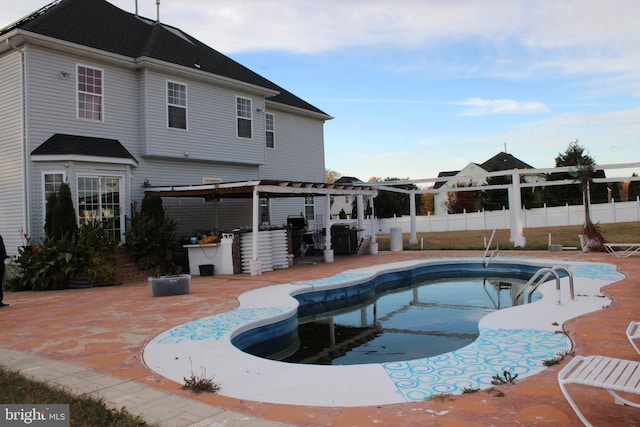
(633, 334)
(611, 374)
(622, 250)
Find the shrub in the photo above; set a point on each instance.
(61, 215)
(50, 265)
(151, 238)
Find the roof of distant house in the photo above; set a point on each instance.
(346, 180)
(101, 25)
(504, 161)
(499, 162)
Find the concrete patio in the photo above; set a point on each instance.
(90, 340)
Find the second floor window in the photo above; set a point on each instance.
(176, 105)
(269, 124)
(89, 93)
(243, 113)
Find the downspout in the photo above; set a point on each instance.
(23, 131)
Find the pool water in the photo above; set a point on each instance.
(429, 318)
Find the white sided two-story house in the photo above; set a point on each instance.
(115, 104)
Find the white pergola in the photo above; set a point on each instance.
(257, 189)
(515, 202)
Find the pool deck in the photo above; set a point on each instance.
(91, 341)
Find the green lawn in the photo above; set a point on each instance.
(84, 412)
(537, 238)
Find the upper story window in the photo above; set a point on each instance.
(270, 127)
(243, 113)
(176, 105)
(90, 96)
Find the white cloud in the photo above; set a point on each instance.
(480, 107)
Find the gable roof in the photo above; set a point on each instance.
(504, 161)
(101, 25)
(500, 162)
(72, 146)
(347, 180)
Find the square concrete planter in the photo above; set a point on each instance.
(169, 285)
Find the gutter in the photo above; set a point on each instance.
(26, 202)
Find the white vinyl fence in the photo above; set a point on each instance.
(531, 218)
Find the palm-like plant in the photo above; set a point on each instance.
(585, 167)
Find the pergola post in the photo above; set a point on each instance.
(373, 246)
(515, 208)
(412, 212)
(255, 266)
(360, 211)
(328, 250)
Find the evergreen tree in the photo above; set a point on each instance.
(61, 215)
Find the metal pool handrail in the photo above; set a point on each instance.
(534, 282)
(485, 261)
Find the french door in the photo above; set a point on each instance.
(99, 200)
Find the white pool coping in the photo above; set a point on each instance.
(203, 347)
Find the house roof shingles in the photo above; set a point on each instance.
(504, 161)
(61, 144)
(100, 25)
(500, 162)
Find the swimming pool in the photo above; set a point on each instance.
(517, 338)
(422, 318)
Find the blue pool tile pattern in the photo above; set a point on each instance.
(606, 272)
(215, 327)
(520, 351)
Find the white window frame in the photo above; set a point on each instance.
(45, 195)
(121, 191)
(270, 128)
(265, 211)
(244, 114)
(84, 92)
(310, 204)
(175, 105)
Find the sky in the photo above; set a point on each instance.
(416, 87)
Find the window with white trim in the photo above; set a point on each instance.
(264, 211)
(51, 185)
(90, 96)
(244, 117)
(269, 124)
(309, 208)
(176, 105)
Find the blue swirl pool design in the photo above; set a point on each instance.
(474, 366)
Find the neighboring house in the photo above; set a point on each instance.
(500, 162)
(114, 103)
(343, 202)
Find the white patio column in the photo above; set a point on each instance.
(328, 250)
(515, 208)
(360, 210)
(373, 246)
(255, 266)
(412, 212)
